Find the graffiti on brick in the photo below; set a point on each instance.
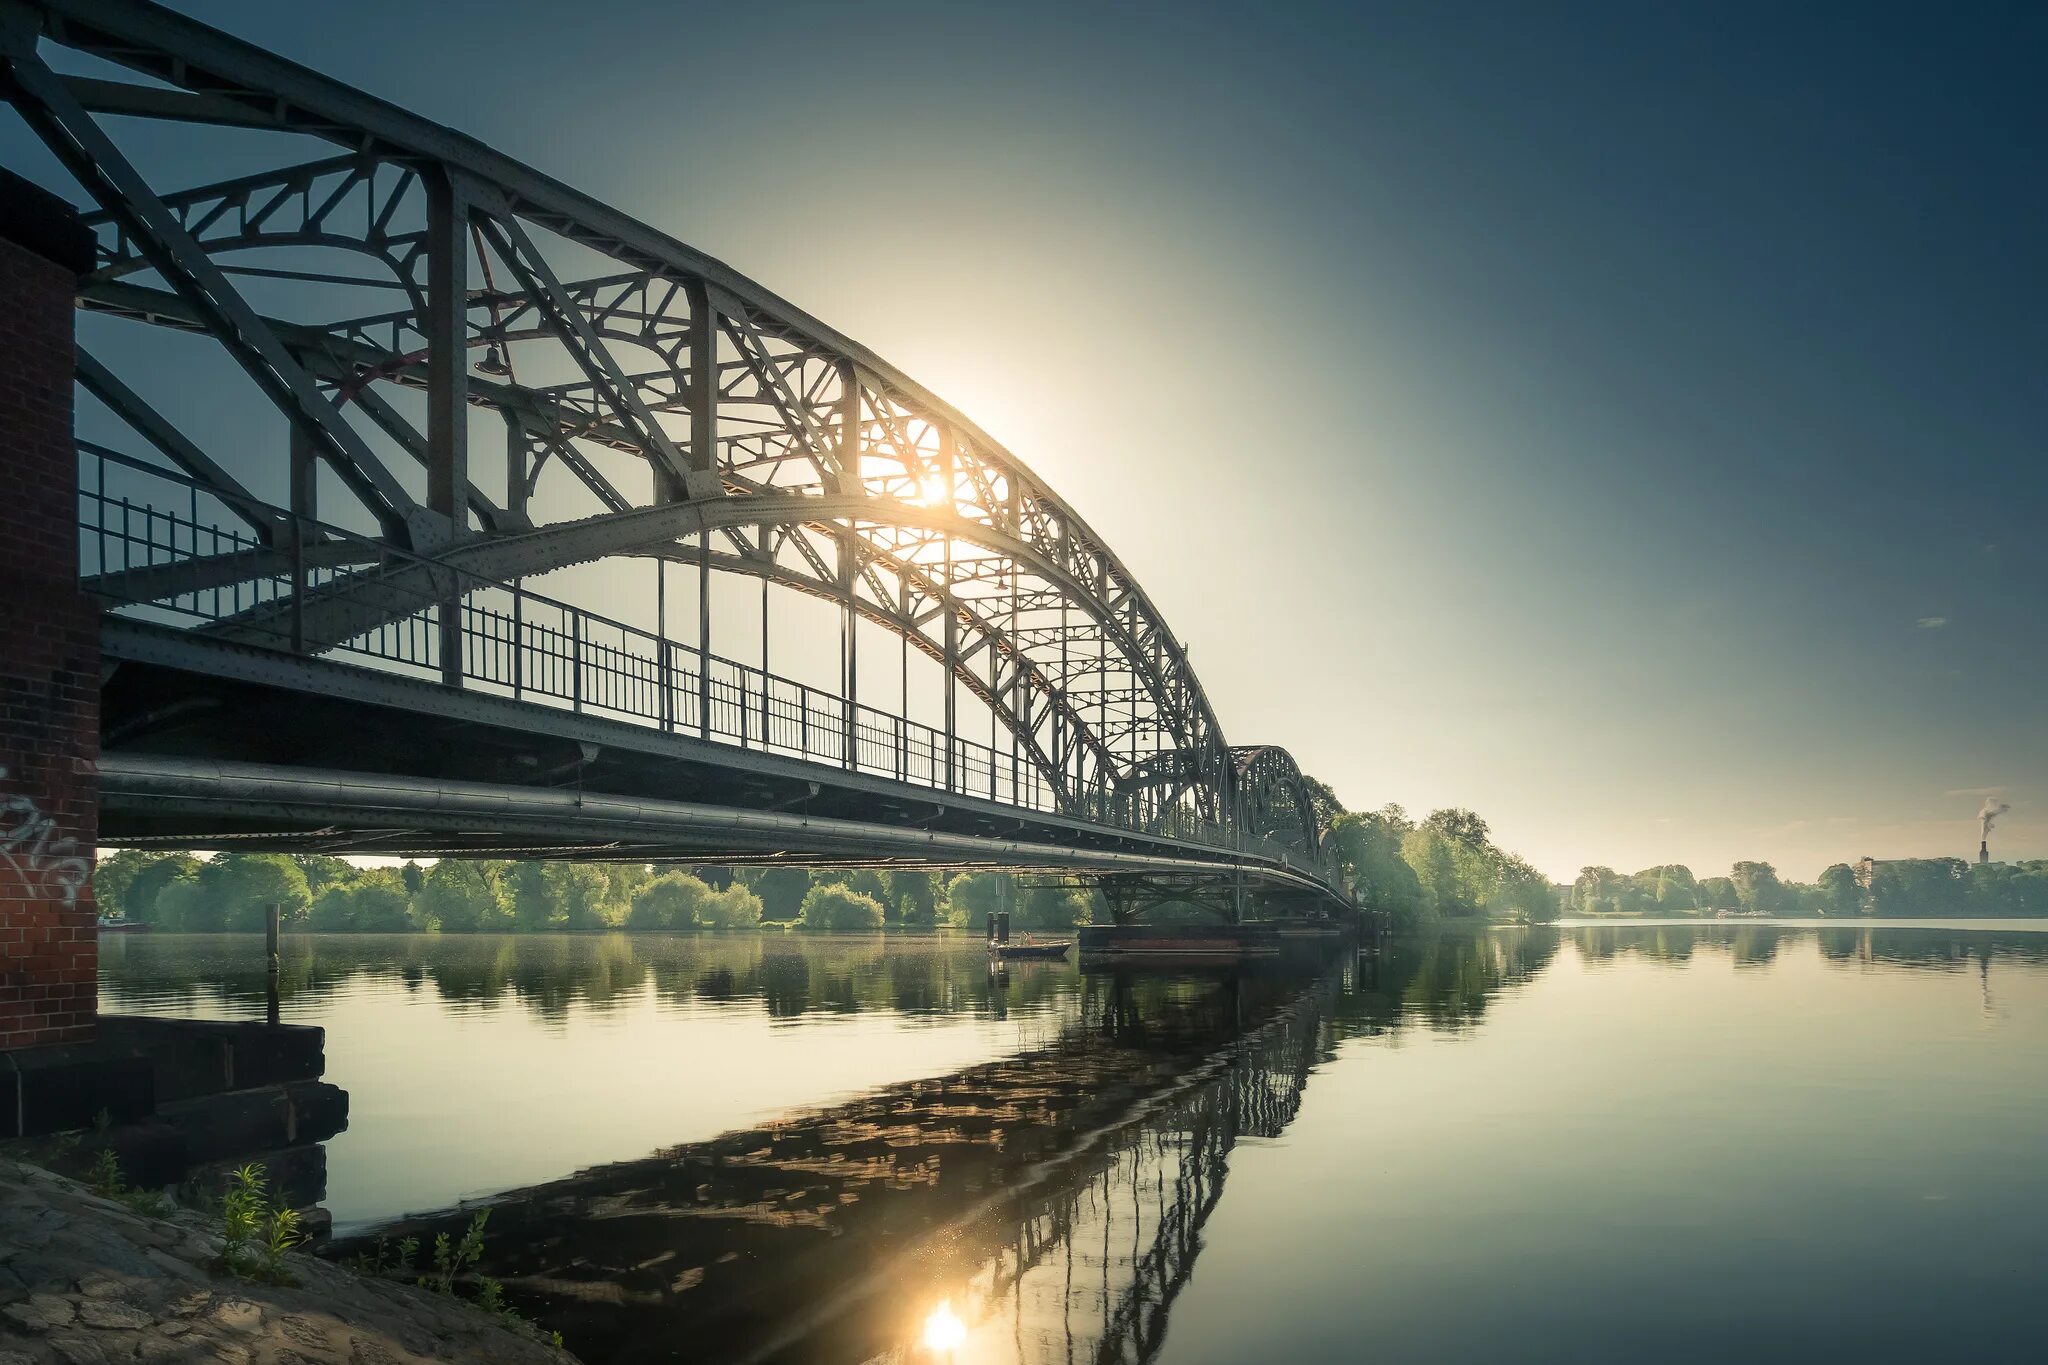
(32, 846)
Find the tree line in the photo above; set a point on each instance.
(1906, 887)
(232, 893)
(1443, 867)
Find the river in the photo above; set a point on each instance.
(1589, 1143)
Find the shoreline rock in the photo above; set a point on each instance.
(85, 1280)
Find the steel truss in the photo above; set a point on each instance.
(429, 280)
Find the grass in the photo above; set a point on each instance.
(106, 1180)
(257, 1236)
(451, 1259)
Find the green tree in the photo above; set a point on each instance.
(1838, 890)
(915, 898)
(674, 900)
(1594, 890)
(782, 891)
(183, 906)
(1053, 907)
(1367, 848)
(114, 874)
(464, 896)
(834, 906)
(1668, 889)
(1521, 893)
(1322, 799)
(623, 881)
(1431, 853)
(1920, 886)
(733, 908)
(1460, 826)
(533, 900)
(1718, 893)
(974, 896)
(140, 900)
(1758, 887)
(374, 902)
(414, 877)
(323, 870)
(246, 885)
(582, 895)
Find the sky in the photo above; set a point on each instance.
(1623, 421)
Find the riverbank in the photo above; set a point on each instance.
(85, 1280)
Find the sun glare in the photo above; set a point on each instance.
(943, 1332)
(932, 489)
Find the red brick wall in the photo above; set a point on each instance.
(49, 672)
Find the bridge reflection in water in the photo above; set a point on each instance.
(1052, 1201)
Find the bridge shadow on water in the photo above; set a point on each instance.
(1053, 1200)
(1056, 1196)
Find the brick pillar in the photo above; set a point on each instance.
(49, 639)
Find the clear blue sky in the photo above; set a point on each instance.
(1627, 421)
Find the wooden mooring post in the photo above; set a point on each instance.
(272, 914)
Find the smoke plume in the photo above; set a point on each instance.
(1988, 816)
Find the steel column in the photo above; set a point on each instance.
(447, 331)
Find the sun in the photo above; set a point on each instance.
(943, 1332)
(932, 490)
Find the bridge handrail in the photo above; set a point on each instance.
(531, 647)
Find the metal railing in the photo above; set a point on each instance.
(183, 567)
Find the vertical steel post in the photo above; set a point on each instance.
(305, 507)
(516, 451)
(704, 634)
(447, 331)
(849, 563)
(701, 389)
(576, 660)
(664, 670)
(946, 586)
(518, 637)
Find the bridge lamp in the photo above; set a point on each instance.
(493, 362)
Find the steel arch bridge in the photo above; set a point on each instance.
(336, 558)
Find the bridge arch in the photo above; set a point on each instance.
(759, 441)
(1273, 800)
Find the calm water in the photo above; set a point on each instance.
(1597, 1143)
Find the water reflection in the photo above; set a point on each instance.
(1049, 1186)
(1054, 1198)
(547, 974)
(1966, 944)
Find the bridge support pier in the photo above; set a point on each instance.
(49, 639)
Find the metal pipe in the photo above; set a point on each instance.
(160, 786)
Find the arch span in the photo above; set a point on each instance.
(654, 404)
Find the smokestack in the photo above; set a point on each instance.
(1986, 818)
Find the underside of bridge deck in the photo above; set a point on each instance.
(730, 586)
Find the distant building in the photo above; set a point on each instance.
(1866, 870)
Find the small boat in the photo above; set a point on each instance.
(1056, 948)
(122, 926)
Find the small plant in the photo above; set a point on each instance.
(254, 1235)
(106, 1180)
(450, 1258)
(389, 1261)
